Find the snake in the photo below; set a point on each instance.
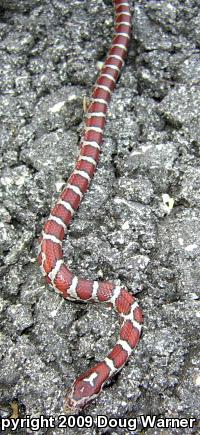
(87, 386)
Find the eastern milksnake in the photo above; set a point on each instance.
(88, 385)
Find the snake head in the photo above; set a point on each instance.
(85, 388)
(74, 400)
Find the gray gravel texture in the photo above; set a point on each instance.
(127, 228)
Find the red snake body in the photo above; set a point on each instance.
(88, 385)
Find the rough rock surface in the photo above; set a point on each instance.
(139, 223)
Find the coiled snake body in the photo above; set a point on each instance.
(89, 384)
